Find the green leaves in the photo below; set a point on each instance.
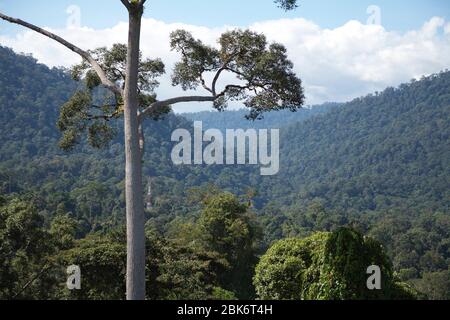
(100, 134)
(91, 108)
(286, 268)
(92, 80)
(230, 230)
(73, 119)
(24, 249)
(287, 4)
(196, 59)
(325, 266)
(264, 76)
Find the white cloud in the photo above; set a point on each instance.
(335, 64)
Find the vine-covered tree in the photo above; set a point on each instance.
(265, 77)
(327, 266)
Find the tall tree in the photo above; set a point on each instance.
(267, 82)
(229, 228)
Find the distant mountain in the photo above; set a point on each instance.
(235, 119)
(389, 150)
(383, 151)
(86, 182)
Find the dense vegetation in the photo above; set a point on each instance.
(378, 164)
(326, 266)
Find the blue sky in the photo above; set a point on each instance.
(398, 15)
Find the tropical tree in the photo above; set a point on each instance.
(267, 82)
(229, 229)
(24, 252)
(327, 266)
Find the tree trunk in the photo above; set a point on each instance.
(133, 168)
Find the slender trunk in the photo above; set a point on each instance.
(133, 168)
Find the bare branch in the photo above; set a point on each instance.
(161, 104)
(154, 107)
(85, 55)
(235, 72)
(232, 86)
(219, 72)
(216, 78)
(38, 275)
(202, 80)
(106, 106)
(102, 117)
(126, 3)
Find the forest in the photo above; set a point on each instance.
(360, 183)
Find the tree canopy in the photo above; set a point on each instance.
(326, 266)
(265, 82)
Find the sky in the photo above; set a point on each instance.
(341, 49)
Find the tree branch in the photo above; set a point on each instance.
(40, 273)
(154, 107)
(104, 117)
(161, 104)
(235, 71)
(202, 80)
(216, 78)
(85, 55)
(219, 72)
(232, 86)
(133, 5)
(126, 4)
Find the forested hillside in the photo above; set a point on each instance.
(379, 164)
(388, 150)
(385, 151)
(86, 181)
(274, 119)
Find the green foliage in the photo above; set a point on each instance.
(375, 153)
(74, 119)
(434, 285)
(64, 230)
(287, 4)
(385, 174)
(269, 82)
(24, 245)
(232, 232)
(190, 273)
(196, 58)
(347, 256)
(91, 108)
(222, 294)
(324, 266)
(419, 245)
(102, 264)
